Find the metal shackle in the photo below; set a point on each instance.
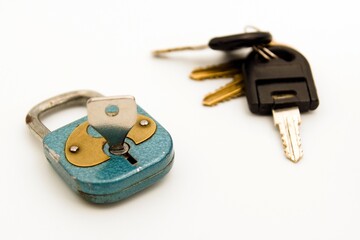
(54, 104)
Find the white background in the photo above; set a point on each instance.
(230, 179)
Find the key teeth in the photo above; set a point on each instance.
(292, 157)
(192, 77)
(232, 90)
(224, 70)
(288, 121)
(214, 103)
(217, 102)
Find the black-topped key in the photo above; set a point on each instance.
(282, 86)
(233, 42)
(226, 43)
(285, 81)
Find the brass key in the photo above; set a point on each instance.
(225, 70)
(227, 92)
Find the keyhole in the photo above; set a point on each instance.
(112, 110)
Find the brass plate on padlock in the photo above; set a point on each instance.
(83, 150)
(143, 129)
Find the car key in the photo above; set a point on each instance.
(113, 153)
(282, 85)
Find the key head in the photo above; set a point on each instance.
(233, 42)
(282, 82)
(112, 117)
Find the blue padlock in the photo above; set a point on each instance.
(113, 153)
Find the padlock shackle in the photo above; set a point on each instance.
(53, 104)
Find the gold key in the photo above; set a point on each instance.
(230, 91)
(225, 70)
(235, 88)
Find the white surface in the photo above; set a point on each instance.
(230, 179)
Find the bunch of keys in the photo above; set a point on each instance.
(276, 80)
(233, 69)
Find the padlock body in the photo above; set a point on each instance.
(115, 178)
(282, 82)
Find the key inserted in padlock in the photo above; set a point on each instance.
(122, 151)
(113, 117)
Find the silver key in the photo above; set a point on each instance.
(113, 117)
(288, 122)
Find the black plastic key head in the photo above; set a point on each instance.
(282, 82)
(233, 42)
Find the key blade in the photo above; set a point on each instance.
(161, 52)
(224, 70)
(231, 90)
(288, 122)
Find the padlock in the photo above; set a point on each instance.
(113, 153)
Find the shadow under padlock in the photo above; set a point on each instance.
(122, 151)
